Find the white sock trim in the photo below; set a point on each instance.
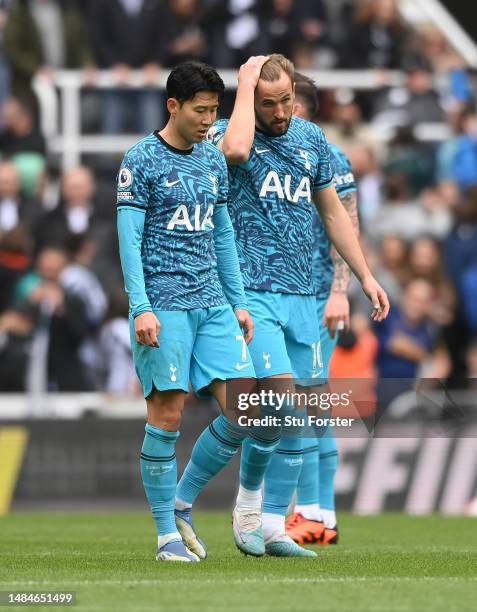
(329, 518)
(162, 540)
(311, 512)
(182, 505)
(249, 499)
(273, 526)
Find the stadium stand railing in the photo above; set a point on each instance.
(59, 100)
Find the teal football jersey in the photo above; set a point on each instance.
(271, 205)
(177, 190)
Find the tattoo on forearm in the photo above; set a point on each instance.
(350, 202)
(342, 274)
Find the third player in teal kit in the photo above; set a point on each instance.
(314, 518)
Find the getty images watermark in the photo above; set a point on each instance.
(289, 408)
(364, 407)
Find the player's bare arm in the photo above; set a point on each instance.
(239, 135)
(336, 314)
(342, 234)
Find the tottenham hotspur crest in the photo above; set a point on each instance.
(213, 180)
(304, 155)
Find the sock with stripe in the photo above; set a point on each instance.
(328, 465)
(159, 477)
(214, 448)
(257, 452)
(307, 490)
(280, 483)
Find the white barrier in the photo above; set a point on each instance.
(59, 100)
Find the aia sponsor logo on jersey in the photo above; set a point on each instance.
(282, 187)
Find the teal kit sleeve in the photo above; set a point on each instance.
(228, 266)
(130, 230)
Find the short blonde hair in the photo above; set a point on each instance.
(276, 64)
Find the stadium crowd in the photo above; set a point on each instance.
(61, 295)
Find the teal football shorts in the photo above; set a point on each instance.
(327, 343)
(198, 345)
(287, 335)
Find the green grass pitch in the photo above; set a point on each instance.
(390, 562)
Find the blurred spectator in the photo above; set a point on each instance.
(355, 358)
(411, 159)
(370, 183)
(77, 220)
(44, 35)
(463, 167)
(472, 363)
(393, 254)
(15, 251)
(469, 294)
(22, 142)
(434, 47)
(15, 207)
(407, 339)
(280, 26)
(386, 278)
(446, 150)
(60, 317)
(461, 256)
(20, 133)
(183, 37)
(115, 343)
(416, 102)
(312, 35)
(376, 39)
(406, 217)
(79, 280)
(75, 214)
(4, 63)
(127, 35)
(355, 353)
(425, 262)
(459, 85)
(15, 345)
(348, 128)
(234, 31)
(461, 261)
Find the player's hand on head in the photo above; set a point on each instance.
(336, 315)
(378, 298)
(250, 71)
(246, 323)
(147, 328)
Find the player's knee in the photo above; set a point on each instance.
(231, 429)
(164, 410)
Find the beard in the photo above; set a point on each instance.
(271, 129)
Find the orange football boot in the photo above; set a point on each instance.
(330, 536)
(302, 530)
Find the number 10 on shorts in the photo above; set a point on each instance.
(317, 358)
